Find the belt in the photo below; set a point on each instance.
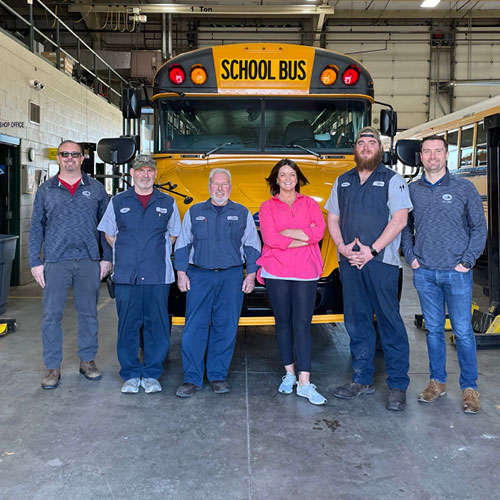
(216, 269)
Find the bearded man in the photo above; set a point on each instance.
(367, 210)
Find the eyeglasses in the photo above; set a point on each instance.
(73, 154)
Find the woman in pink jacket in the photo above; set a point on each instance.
(291, 225)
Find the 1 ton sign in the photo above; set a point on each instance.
(200, 8)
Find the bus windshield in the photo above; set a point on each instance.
(200, 125)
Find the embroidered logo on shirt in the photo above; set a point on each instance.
(200, 217)
(86, 194)
(379, 183)
(161, 210)
(447, 197)
(232, 217)
(124, 210)
(345, 184)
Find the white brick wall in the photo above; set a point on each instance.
(68, 111)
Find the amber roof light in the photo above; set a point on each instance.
(329, 75)
(198, 74)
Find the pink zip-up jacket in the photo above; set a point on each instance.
(279, 260)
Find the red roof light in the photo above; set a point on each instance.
(176, 75)
(351, 74)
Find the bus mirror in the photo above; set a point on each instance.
(388, 122)
(116, 151)
(408, 152)
(131, 103)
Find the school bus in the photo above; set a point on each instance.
(244, 107)
(466, 134)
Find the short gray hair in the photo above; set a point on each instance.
(219, 171)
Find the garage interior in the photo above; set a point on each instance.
(86, 439)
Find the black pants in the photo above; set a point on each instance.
(293, 307)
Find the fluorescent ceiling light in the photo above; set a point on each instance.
(429, 4)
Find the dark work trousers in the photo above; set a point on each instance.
(143, 306)
(374, 289)
(83, 275)
(213, 308)
(293, 307)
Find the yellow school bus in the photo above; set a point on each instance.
(466, 134)
(246, 106)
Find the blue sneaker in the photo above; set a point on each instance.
(289, 380)
(309, 391)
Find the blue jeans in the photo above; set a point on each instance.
(436, 287)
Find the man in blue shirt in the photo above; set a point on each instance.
(66, 212)
(218, 236)
(446, 233)
(368, 208)
(142, 224)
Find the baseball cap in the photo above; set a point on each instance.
(144, 160)
(369, 132)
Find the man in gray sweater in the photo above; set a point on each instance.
(66, 212)
(446, 233)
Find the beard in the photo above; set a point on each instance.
(369, 164)
(220, 200)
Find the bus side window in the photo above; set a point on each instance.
(466, 147)
(481, 145)
(453, 150)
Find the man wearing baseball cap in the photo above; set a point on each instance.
(142, 224)
(367, 210)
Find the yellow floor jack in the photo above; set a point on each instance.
(486, 325)
(7, 326)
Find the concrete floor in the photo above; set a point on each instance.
(87, 440)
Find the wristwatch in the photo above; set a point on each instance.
(373, 251)
(466, 264)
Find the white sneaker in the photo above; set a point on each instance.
(131, 386)
(150, 385)
(309, 391)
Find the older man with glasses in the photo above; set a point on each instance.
(66, 212)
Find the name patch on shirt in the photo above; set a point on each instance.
(86, 194)
(161, 210)
(232, 217)
(447, 197)
(200, 217)
(379, 183)
(345, 184)
(124, 210)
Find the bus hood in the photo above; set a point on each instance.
(248, 178)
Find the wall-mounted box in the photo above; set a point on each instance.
(65, 62)
(28, 180)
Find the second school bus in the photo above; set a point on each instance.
(243, 107)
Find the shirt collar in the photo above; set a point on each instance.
(445, 180)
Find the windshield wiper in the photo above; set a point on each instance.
(310, 151)
(217, 148)
(315, 153)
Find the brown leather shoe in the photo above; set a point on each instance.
(432, 392)
(90, 370)
(51, 379)
(219, 386)
(470, 400)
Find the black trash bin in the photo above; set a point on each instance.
(7, 253)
